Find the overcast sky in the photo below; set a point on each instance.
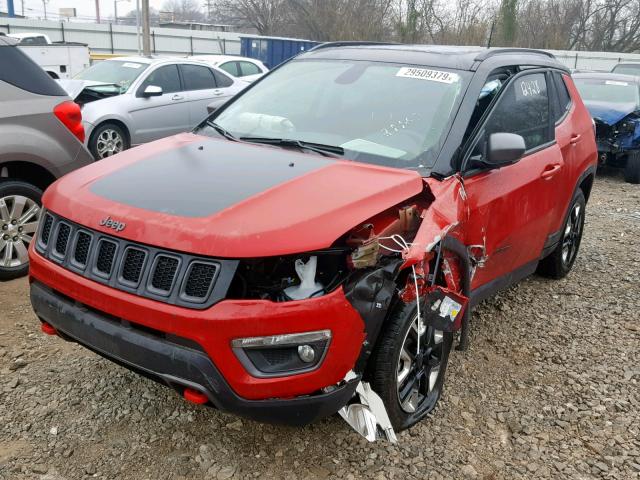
(86, 9)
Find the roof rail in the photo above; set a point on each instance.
(490, 52)
(348, 44)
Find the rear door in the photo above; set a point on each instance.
(511, 208)
(160, 116)
(571, 142)
(204, 86)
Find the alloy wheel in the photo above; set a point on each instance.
(18, 223)
(419, 365)
(572, 234)
(108, 143)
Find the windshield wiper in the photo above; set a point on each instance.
(225, 133)
(326, 150)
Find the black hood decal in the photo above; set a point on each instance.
(205, 177)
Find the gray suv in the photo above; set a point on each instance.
(41, 139)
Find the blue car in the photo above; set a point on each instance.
(614, 103)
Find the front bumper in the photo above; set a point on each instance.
(176, 365)
(213, 329)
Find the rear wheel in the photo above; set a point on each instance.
(559, 263)
(409, 366)
(632, 169)
(19, 215)
(107, 140)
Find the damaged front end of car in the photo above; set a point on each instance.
(617, 133)
(408, 253)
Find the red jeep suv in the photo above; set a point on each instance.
(316, 243)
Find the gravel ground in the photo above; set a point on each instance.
(548, 389)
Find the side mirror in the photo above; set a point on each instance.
(212, 107)
(504, 149)
(152, 91)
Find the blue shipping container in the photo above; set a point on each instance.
(272, 51)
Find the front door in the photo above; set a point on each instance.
(159, 116)
(511, 208)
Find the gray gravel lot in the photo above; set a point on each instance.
(550, 388)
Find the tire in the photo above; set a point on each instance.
(386, 368)
(559, 262)
(108, 139)
(17, 226)
(632, 169)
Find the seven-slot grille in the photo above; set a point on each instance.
(147, 271)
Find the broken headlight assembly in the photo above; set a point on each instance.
(291, 277)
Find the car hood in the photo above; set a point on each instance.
(220, 198)
(609, 112)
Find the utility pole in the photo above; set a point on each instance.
(208, 4)
(44, 4)
(97, 11)
(146, 31)
(138, 26)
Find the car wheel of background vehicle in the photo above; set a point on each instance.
(558, 264)
(19, 214)
(409, 382)
(107, 140)
(632, 169)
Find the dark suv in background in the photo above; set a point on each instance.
(41, 137)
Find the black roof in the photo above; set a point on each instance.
(461, 58)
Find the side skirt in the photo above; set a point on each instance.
(489, 289)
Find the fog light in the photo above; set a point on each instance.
(285, 354)
(306, 353)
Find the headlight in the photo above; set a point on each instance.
(291, 277)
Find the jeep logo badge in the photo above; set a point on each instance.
(110, 223)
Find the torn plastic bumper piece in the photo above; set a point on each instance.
(369, 417)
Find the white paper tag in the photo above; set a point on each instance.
(449, 308)
(428, 74)
(131, 65)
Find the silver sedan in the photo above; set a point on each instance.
(127, 101)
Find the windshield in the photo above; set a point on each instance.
(117, 72)
(388, 114)
(607, 90)
(627, 69)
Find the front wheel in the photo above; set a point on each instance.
(632, 168)
(408, 366)
(559, 263)
(107, 140)
(19, 215)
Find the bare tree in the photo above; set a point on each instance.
(184, 10)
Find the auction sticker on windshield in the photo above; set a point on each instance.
(428, 74)
(131, 65)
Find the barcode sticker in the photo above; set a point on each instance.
(428, 74)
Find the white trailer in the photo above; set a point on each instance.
(58, 59)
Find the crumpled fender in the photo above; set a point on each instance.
(447, 211)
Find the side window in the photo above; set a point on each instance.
(165, 77)
(222, 80)
(248, 68)
(523, 109)
(231, 68)
(197, 77)
(564, 99)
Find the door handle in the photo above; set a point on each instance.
(177, 97)
(217, 93)
(550, 170)
(575, 138)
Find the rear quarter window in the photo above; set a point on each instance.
(26, 74)
(564, 99)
